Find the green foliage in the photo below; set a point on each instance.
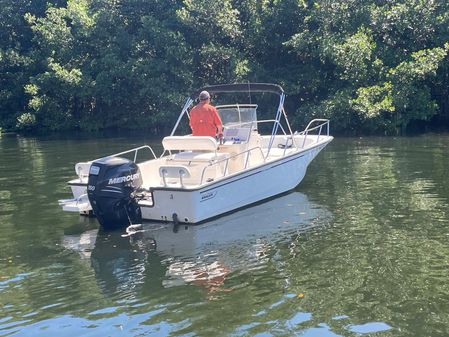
(26, 121)
(381, 58)
(213, 31)
(355, 56)
(372, 101)
(369, 66)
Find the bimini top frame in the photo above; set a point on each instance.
(243, 87)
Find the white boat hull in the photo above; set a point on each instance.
(236, 191)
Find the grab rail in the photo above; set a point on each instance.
(229, 158)
(135, 150)
(307, 130)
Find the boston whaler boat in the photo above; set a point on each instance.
(197, 177)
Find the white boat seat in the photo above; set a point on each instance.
(191, 156)
(190, 143)
(82, 169)
(174, 171)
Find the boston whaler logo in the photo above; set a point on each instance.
(208, 195)
(120, 180)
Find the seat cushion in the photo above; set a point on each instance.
(189, 143)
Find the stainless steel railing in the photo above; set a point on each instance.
(319, 127)
(135, 150)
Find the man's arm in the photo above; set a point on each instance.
(191, 118)
(218, 123)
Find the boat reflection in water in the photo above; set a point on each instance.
(164, 255)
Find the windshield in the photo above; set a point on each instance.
(236, 115)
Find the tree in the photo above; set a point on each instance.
(17, 62)
(370, 66)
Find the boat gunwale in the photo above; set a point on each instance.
(224, 178)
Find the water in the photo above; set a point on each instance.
(359, 249)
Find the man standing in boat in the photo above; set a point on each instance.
(204, 118)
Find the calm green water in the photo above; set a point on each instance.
(361, 248)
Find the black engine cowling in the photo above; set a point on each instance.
(111, 189)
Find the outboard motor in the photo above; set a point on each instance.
(111, 189)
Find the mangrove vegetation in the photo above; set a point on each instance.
(371, 66)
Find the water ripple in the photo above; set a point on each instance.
(361, 250)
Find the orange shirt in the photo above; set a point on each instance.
(204, 120)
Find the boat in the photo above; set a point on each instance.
(199, 177)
